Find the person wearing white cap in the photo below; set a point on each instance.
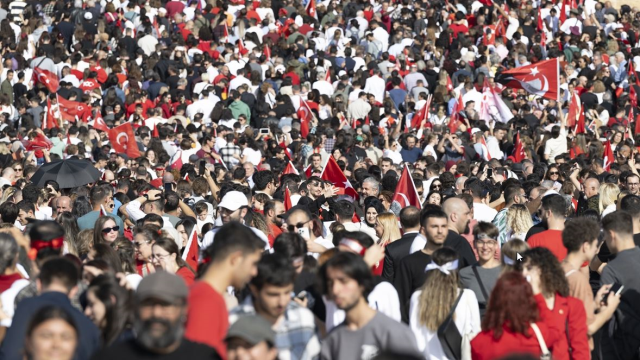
(233, 207)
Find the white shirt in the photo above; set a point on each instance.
(203, 106)
(237, 81)
(323, 87)
(376, 86)
(253, 156)
(209, 237)
(467, 320)
(483, 212)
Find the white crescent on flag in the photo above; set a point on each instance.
(126, 139)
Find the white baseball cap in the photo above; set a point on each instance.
(233, 200)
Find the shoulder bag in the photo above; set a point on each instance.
(449, 336)
(546, 354)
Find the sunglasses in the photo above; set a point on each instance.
(554, 173)
(293, 227)
(108, 230)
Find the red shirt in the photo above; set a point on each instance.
(569, 315)
(458, 28)
(295, 80)
(208, 318)
(187, 275)
(88, 85)
(550, 239)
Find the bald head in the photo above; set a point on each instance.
(591, 186)
(63, 203)
(460, 184)
(458, 215)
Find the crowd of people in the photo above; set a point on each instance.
(335, 179)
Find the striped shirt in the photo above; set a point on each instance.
(16, 8)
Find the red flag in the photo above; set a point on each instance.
(225, 33)
(191, 252)
(241, 49)
(575, 107)
(123, 140)
(267, 52)
(98, 122)
(449, 83)
(72, 110)
(518, 149)
(541, 78)
(406, 193)
(287, 199)
(50, 120)
(47, 78)
(155, 133)
(287, 151)
(103, 211)
(454, 119)
(177, 162)
(307, 171)
(563, 12)
(631, 115)
(305, 115)
(485, 150)
(540, 21)
(311, 9)
(68, 139)
(327, 77)
(334, 175)
(355, 218)
(633, 95)
(155, 27)
(580, 126)
(290, 169)
(607, 156)
(421, 114)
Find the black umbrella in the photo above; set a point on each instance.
(68, 173)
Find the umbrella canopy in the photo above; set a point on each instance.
(68, 173)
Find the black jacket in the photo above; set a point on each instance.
(394, 252)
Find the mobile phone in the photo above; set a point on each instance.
(168, 186)
(615, 289)
(304, 232)
(489, 172)
(264, 131)
(202, 168)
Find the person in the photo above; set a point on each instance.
(507, 324)
(160, 311)
(52, 334)
(271, 299)
(580, 237)
(229, 261)
(551, 291)
(251, 337)
(109, 307)
(553, 209)
(58, 282)
(518, 222)
(143, 241)
(509, 255)
(299, 217)
(395, 251)
(101, 198)
(346, 278)
(439, 298)
(387, 231)
(105, 230)
(482, 277)
(166, 256)
(618, 235)
(458, 218)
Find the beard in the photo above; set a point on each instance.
(172, 333)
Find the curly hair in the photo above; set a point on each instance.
(578, 231)
(511, 303)
(552, 278)
(519, 219)
(439, 291)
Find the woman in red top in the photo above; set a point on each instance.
(551, 291)
(506, 327)
(167, 256)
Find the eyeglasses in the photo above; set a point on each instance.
(488, 243)
(18, 169)
(139, 244)
(554, 173)
(160, 257)
(633, 184)
(108, 230)
(299, 225)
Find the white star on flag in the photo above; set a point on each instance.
(534, 71)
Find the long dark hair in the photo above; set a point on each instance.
(117, 303)
(170, 246)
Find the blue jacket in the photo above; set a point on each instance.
(88, 221)
(13, 344)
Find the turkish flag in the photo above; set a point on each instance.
(177, 161)
(421, 114)
(575, 107)
(485, 150)
(307, 171)
(155, 133)
(540, 21)
(633, 95)
(287, 151)
(563, 12)
(607, 156)
(241, 49)
(518, 149)
(305, 115)
(191, 252)
(406, 193)
(123, 140)
(633, 72)
(70, 110)
(267, 52)
(47, 78)
(454, 119)
(541, 78)
(98, 122)
(50, 120)
(290, 169)
(311, 9)
(580, 126)
(287, 199)
(334, 175)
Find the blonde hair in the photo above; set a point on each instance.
(439, 291)
(519, 218)
(391, 231)
(608, 195)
